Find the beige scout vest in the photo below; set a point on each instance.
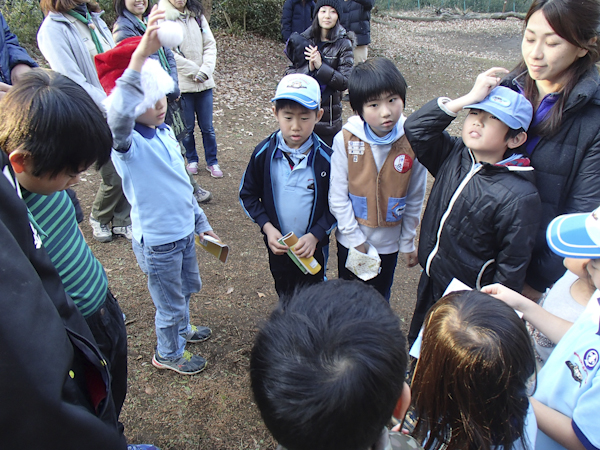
(385, 192)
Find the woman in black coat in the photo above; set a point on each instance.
(324, 51)
(558, 75)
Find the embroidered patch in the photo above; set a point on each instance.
(575, 372)
(356, 148)
(403, 163)
(590, 359)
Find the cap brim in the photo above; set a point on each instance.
(302, 99)
(567, 236)
(507, 119)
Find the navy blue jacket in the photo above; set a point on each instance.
(55, 387)
(256, 188)
(127, 26)
(11, 53)
(296, 17)
(356, 17)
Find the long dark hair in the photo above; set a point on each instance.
(576, 21)
(315, 28)
(195, 6)
(470, 383)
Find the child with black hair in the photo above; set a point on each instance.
(327, 370)
(480, 220)
(472, 377)
(165, 214)
(377, 185)
(285, 186)
(51, 130)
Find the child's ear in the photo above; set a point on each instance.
(20, 160)
(274, 110)
(517, 141)
(320, 114)
(403, 403)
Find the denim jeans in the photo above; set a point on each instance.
(199, 105)
(173, 276)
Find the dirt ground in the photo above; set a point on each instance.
(214, 409)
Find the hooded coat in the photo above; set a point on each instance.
(296, 17)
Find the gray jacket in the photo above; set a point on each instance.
(62, 46)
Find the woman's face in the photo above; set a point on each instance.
(136, 7)
(546, 54)
(328, 17)
(179, 4)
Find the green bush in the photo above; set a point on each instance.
(24, 17)
(258, 16)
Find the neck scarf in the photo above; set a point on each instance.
(87, 19)
(389, 138)
(296, 152)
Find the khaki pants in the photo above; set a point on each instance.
(360, 53)
(110, 204)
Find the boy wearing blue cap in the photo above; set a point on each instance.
(286, 183)
(483, 211)
(568, 386)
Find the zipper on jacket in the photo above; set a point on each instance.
(446, 214)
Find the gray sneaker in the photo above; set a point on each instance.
(187, 364)
(198, 334)
(202, 196)
(126, 232)
(101, 231)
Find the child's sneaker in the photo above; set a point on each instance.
(100, 231)
(202, 195)
(215, 171)
(126, 232)
(192, 168)
(198, 334)
(187, 364)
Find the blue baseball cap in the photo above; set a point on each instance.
(507, 105)
(299, 88)
(575, 235)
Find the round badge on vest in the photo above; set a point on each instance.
(403, 163)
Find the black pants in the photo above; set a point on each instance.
(288, 276)
(108, 328)
(382, 282)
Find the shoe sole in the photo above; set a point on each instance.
(214, 176)
(158, 365)
(206, 200)
(196, 341)
(122, 235)
(103, 239)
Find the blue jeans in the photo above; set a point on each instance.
(173, 276)
(199, 105)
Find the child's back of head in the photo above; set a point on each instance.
(328, 367)
(470, 383)
(56, 122)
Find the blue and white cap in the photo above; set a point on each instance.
(507, 105)
(575, 235)
(299, 88)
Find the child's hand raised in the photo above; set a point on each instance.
(150, 42)
(484, 83)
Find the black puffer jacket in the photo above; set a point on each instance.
(567, 167)
(356, 17)
(332, 76)
(488, 214)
